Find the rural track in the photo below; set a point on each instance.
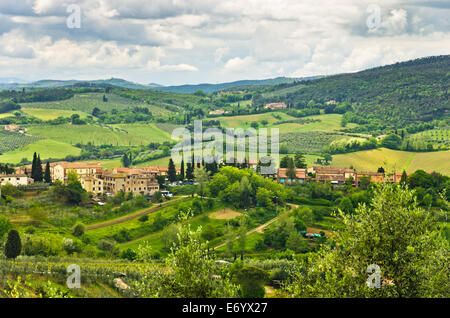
(256, 229)
(132, 216)
(259, 228)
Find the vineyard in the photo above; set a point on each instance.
(309, 142)
(12, 140)
(34, 278)
(116, 135)
(439, 138)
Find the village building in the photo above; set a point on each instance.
(372, 176)
(92, 184)
(15, 179)
(61, 170)
(301, 176)
(138, 182)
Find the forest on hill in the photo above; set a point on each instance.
(392, 96)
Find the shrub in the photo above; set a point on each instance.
(79, 229)
(5, 226)
(143, 218)
(30, 229)
(252, 280)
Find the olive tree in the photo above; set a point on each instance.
(392, 234)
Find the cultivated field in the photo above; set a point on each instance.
(47, 148)
(327, 122)
(116, 135)
(49, 114)
(87, 102)
(395, 160)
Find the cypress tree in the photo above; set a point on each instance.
(189, 171)
(13, 245)
(125, 161)
(47, 177)
(39, 172)
(33, 166)
(182, 170)
(172, 173)
(404, 178)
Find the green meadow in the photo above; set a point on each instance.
(49, 114)
(47, 148)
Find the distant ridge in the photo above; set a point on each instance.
(212, 88)
(49, 83)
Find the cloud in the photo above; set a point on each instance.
(214, 40)
(238, 64)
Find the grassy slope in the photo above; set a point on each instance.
(46, 148)
(49, 114)
(137, 134)
(391, 160)
(328, 122)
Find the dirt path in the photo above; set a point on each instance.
(132, 216)
(258, 229)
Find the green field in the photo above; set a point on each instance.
(49, 114)
(116, 135)
(394, 160)
(161, 162)
(6, 115)
(47, 148)
(328, 122)
(87, 102)
(244, 121)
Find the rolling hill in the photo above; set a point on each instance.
(392, 96)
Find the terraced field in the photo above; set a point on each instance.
(395, 160)
(117, 135)
(87, 102)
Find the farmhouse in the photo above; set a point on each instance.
(217, 112)
(275, 106)
(12, 127)
(15, 179)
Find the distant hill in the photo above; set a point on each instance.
(184, 89)
(66, 83)
(212, 88)
(392, 96)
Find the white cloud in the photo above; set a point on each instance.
(238, 64)
(214, 40)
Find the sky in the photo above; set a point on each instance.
(174, 42)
